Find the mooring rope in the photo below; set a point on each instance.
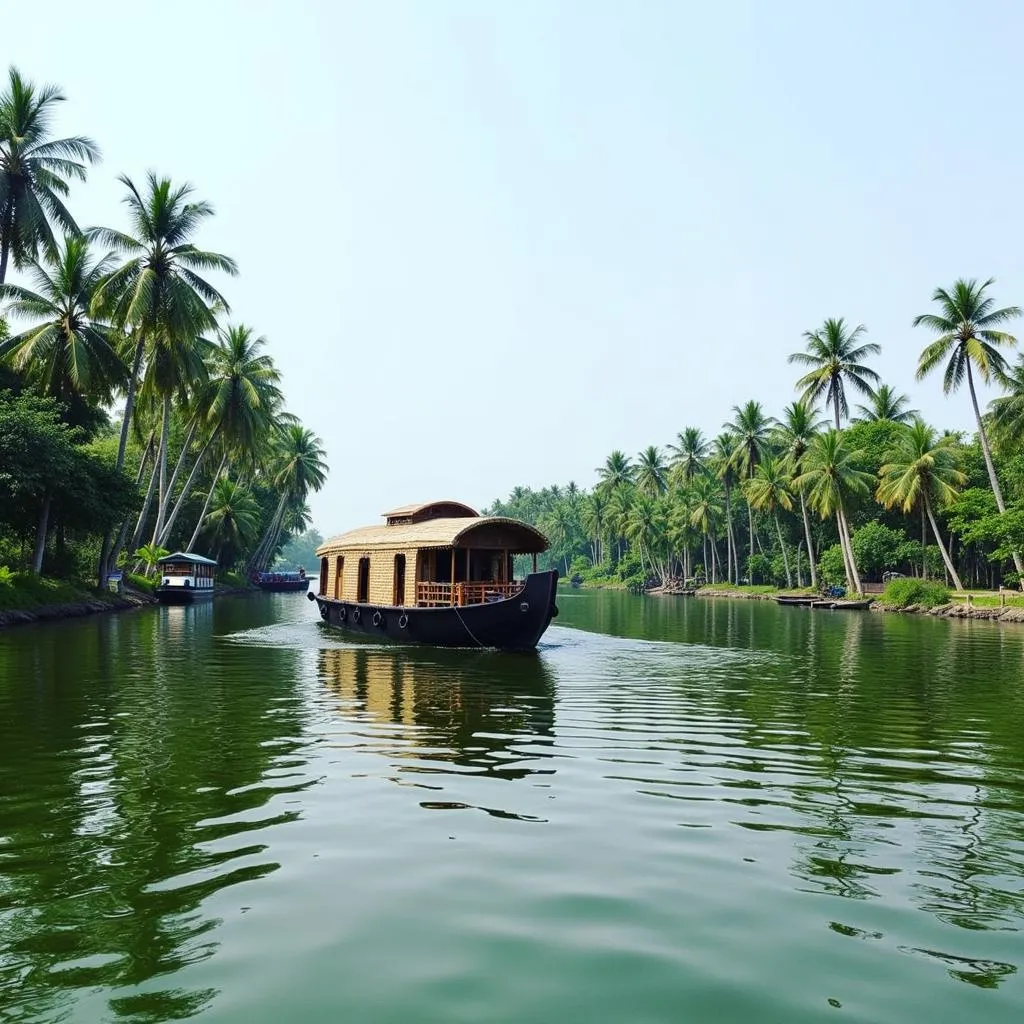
(466, 628)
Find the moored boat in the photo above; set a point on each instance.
(282, 582)
(839, 604)
(438, 574)
(804, 600)
(185, 578)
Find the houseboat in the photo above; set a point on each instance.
(185, 578)
(438, 574)
(282, 582)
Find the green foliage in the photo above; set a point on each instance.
(904, 593)
(301, 550)
(877, 549)
(151, 554)
(22, 591)
(831, 567)
(139, 582)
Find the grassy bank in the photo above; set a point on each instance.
(21, 591)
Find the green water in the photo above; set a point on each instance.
(678, 811)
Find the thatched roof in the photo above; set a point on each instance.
(494, 532)
(443, 509)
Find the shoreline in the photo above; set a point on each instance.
(97, 604)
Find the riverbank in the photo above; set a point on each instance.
(84, 604)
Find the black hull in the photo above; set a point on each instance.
(183, 595)
(285, 586)
(514, 624)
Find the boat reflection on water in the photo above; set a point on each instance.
(478, 711)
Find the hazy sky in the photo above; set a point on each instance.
(490, 242)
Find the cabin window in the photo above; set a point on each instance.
(399, 596)
(339, 575)
(323, 575)
(363, 589)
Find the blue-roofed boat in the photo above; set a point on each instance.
(185, 578)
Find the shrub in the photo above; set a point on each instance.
(924, 593)
(831, 567)
(759, 569)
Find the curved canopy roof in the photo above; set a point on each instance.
(494, 532)
(185, 556)
(444, 509)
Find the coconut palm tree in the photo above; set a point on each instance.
(689, 455)
(799, 425)
(923, 472)
(34, 171)
(620, 501)
(721, 462)
(969, 340)
(616, 471)
(651, 472)
(594, 519)
(559, 526)
(298, 468)
(705, 510)
(830, 478)
(237, 403)
(768, 491)
(1008, 410)
(158, 293)
(234, 518)
(835, 357)
(70, 355)
(887, 404)
(751, 428)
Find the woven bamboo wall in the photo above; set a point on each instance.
(382, 575)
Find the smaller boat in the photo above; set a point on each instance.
(802, 600)
(282, 582)
(185, 578)
(859, 605)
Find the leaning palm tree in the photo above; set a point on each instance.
(969, 340)
(234, 518)
(594, 519)
(751, 428)
(768, 491)
(616, 471)
(158, 294)
(721, 462)
(34, 171)
(236, 403)
(651, 472)
(923, 472)
(835, 357)
(830, 478)
(887, 404)
(689, 455)
(69, 354)
(799, 426)
(298, 468)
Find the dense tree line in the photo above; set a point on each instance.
(820, 493)
(205, 456)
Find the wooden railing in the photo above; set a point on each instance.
(437, 595)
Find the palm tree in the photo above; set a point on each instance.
(70, 354)
(1008, 410)
(237, 403)
(689, 456)
(968, 340)
(830, 478)
(299, 467)
(751, 428)
(799, 426)
(722, 449)
(768, 491)
(620, 501)
(234, 517)
(594, 518)
(616, 471)
(924, 472)
(704, 512)
(835, 357)
(158, 293)
(559, 525)
(34, 171)
(887, 404)
(650, 472)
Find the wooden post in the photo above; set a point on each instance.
(503, 571)
(535, 561)
(453, 574)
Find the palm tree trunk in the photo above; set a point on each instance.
(41, 530)
(144, 513)
(839, 425)
(5, 238)
(750, 524)
(924, 544)
(165, 432)
(993, 479)
(849, 547)
(785, 557)
(186, 490)
(182, 456)
(843, 548)
(810, 543)
(942, 546)
(206, 504)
